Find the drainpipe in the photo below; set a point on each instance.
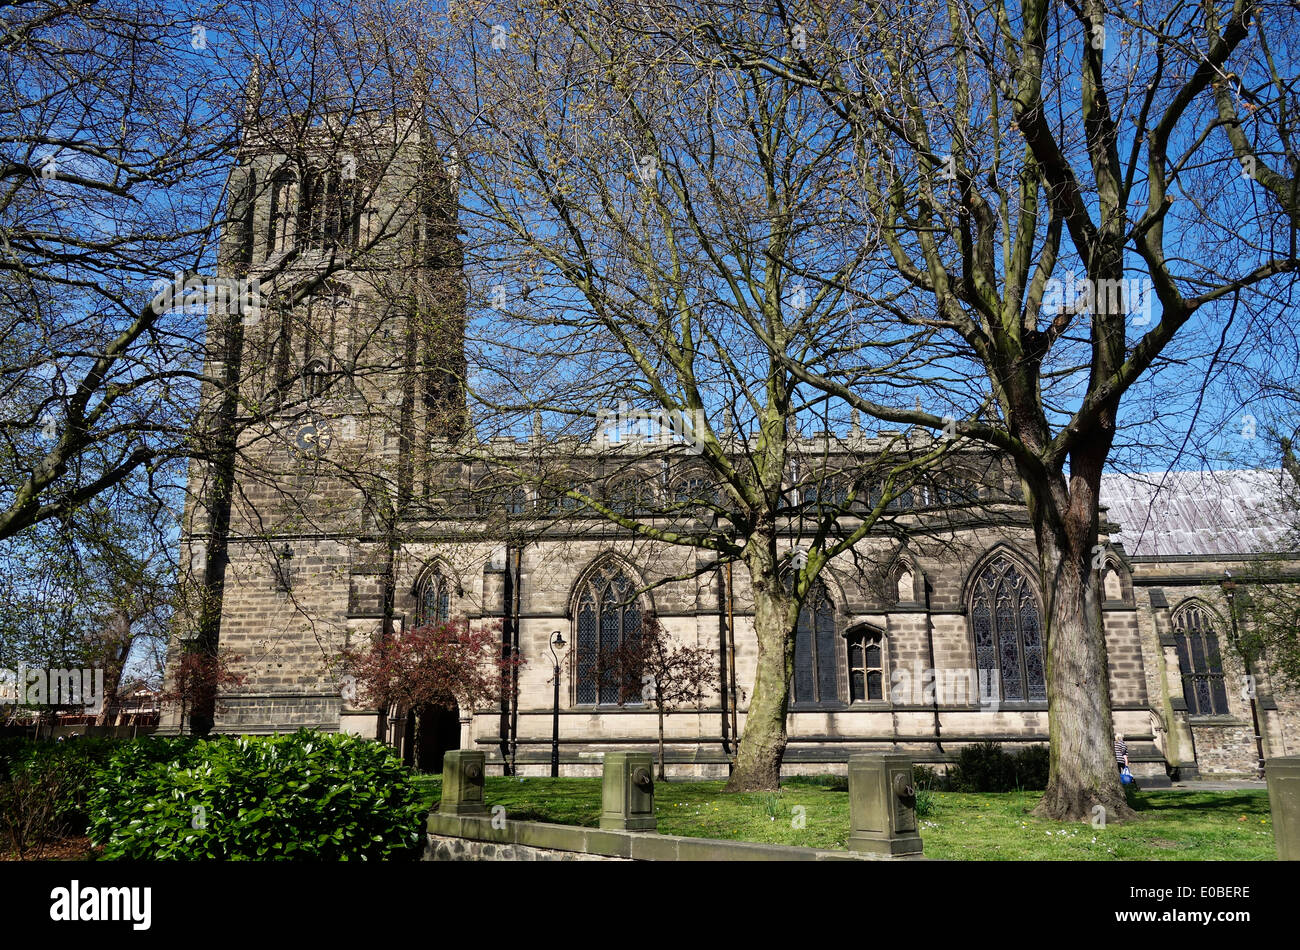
(731, 665)
(929, 644)
(723, 664)
(507, 645)
(514, 653)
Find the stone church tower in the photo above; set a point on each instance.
(322, 402)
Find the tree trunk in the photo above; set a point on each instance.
(1083, 774)
(763, 742)
(114, 664)
(420, 716)
(235, 254)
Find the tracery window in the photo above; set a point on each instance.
(608, 616)
(866, 666)
(433, 599)
(1199, 661)
(692, 490)
(327, 214)
(828, 493)
(284, 202)
(815, 679)
(624, 494)
(554, 499)
(1008, 631)
(315, 379)
(492, 499)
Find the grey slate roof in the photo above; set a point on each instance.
(1241, 511)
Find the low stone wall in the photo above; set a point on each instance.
(473, 838)
(444, 848)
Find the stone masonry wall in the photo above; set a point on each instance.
(445, 848)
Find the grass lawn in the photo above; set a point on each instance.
(1195, 826)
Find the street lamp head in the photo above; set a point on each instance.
(1228, 584)
(557, 641)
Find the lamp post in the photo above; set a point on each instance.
(557, 640)
(1230, 592)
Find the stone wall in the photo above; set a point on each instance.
(448, 848)
(473, 838)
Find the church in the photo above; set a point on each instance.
(351, 497)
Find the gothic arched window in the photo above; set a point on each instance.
(284, 202)
(433, 599)
(815, 674)
(315, 379)
(829, 492)
(608, 617)
(496, 499)
(1008, 632)
(554, 499)
(327, 214)
(1199, 661)
(626, 495)
(692, 495)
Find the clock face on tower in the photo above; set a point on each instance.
(311, 437)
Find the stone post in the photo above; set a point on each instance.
(882, 804)
(1283, 777)
(627, 795)
(462, 783)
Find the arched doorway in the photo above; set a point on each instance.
(439, 733)
(430, 733)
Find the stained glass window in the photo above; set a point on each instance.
(608, 617)
(1199, 661)
(814, 651)
(1008, 632)
(433, 600)
(623, 495)
(495, 499)
(692, 496)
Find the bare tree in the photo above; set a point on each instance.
(111, 154)
(1001, 151)
(630, 263)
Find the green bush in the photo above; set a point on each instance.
(45, 787)
(31, 809)
(983, 767)
(1033, 763)
(924, 777)
(308, 796)
(987, 768)
(835, 783)
(12, 749)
